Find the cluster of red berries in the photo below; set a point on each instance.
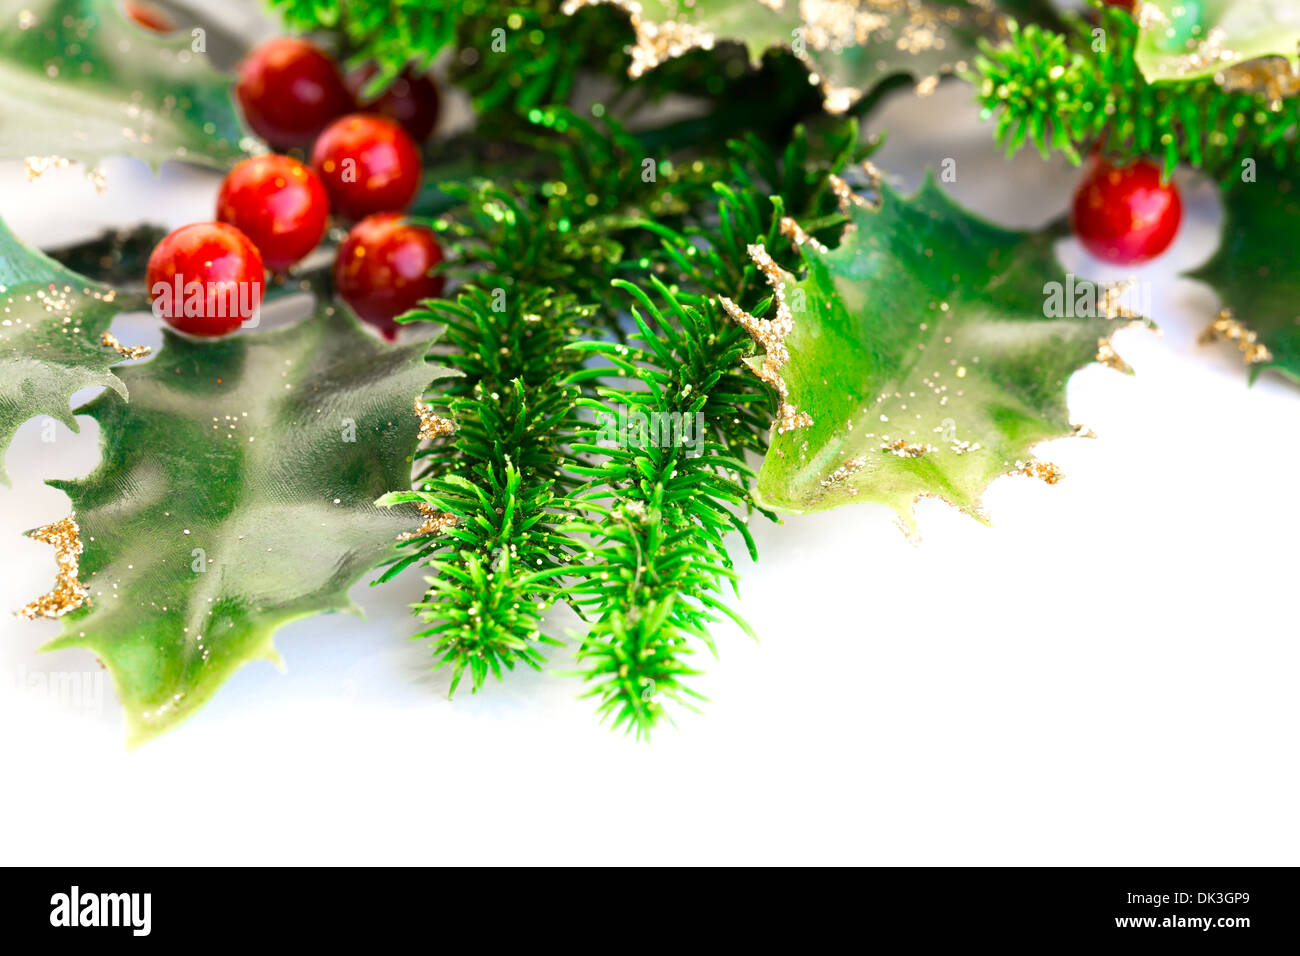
(273, 210)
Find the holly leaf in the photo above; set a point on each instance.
(78, 82)
(1254, 273)
(925, 355)
(236, 494)
(848, 47)
(51, 337)
(1188, 39)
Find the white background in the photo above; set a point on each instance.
(1104, 676)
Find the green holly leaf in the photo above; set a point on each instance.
(925, 355)
(78, 82)
(236, 494)
(51, 337)
(1254, 273)
(849, 48)
(1188, 39)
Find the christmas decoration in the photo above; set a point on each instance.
(940, 395)
(235, 494)
(52, 337)
(368, 164)
(279, 204)
(1254, 273)
(411, 99)
(385, 268)
(289, 91)
(83, 82)
(1126, 214)
(148, 16)
(1077, 89)
(206, 279)
(1181, 40)
(657, 328)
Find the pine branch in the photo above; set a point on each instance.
(671, 480)
(495, 489)
(1053, 90)
(661, 503)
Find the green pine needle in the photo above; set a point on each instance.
(1063, 93)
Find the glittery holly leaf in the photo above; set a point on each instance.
(848, 45)
(78, 82)
(923, 355)
(1255, 274)
(54, 337)
(1187, 39)
(236, 493)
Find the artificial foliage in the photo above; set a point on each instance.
(524, 472)
(920, 355)
(1183, 40)
(680, 299)
(848, 48)
(1254, 273)
(53, 337)
(1079, 89)
(235, 494)
(82, 83)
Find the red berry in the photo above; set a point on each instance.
(148, 16)
(368, 164)
(1126, 215)
(411, 100)
(205, 279)
(279, 204)
(383, 269)
(290, 90)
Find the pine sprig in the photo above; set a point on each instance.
(1056, 91)
(504, 474)
(497, 478)
(670, 437)
(660, 505)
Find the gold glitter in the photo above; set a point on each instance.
(1042, 470)
(1274, 76)
(1108, 357)
(126, 351)
(823, 31)
(846, 470)
(794, 232)
(1083, 431)
(38, 165)
(1226, 327)
(904, 450)
(846, 197)
(431, 425)
(1111, 294)
(68, 593)
(1205, 53)
(771, 335)
(655, 42)
(435, 522)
